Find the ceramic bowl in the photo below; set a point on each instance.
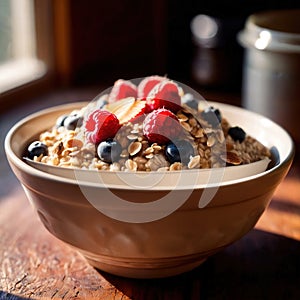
(149, 230)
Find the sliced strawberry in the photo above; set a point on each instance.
(101, 125)
(122, 89)
(165, 94)
(127, 110)
(147, 84)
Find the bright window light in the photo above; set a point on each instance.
(18, 59)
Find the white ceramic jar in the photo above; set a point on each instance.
(271, 76)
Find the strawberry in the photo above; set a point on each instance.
(147, 84)
(101, 125)
(127, 110)
(122, 89)
(161, 126)
(164, 94)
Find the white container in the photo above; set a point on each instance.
(271, 75)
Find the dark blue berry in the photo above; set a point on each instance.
(60, 121)
(109, 151)
(36, 149)
(237, 133)
(101, 103)
(73, 121)
(189, 100)
(179, 151)
(212, 116)
(193, 104)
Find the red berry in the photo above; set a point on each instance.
(101, 125)
(161, 126)
(147, 84)
(164, 94)
(122, 89)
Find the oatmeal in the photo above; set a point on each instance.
(150, 127)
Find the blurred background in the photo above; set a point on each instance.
(57, 51)
(91, 42)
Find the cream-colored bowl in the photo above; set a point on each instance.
(151, 230)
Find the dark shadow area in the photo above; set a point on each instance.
(8, 296)
(261, 265)
(291, 208)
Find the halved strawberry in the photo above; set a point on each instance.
(122, 89)
(127, 110)
(147, 84)
(164, 95)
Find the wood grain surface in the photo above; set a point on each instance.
(265, 264)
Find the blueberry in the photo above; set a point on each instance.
(109, 150)
(237, 133)
(189, 100)
(60, 121)
(101, 103)
(73, 121)
(212, 116)
(179, 151)
(37, 148)
(193, 104)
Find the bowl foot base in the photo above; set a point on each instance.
(148, 270)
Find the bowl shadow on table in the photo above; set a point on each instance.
(9, 296)
(258, 266)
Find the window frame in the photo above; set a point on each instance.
(43, 10)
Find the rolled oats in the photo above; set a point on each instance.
(182, 117)
(131, 165)
(213, 147)
(194, 162)
(156, 162)
(162, 169)
(198, 133)
(132, 137)
(115, 167)
(186, 126)
(211, 140)
(231, 158)
(134, 148)
(193, 122)
(70, 143)
(177, 166)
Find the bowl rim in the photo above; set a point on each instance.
(21, 164)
